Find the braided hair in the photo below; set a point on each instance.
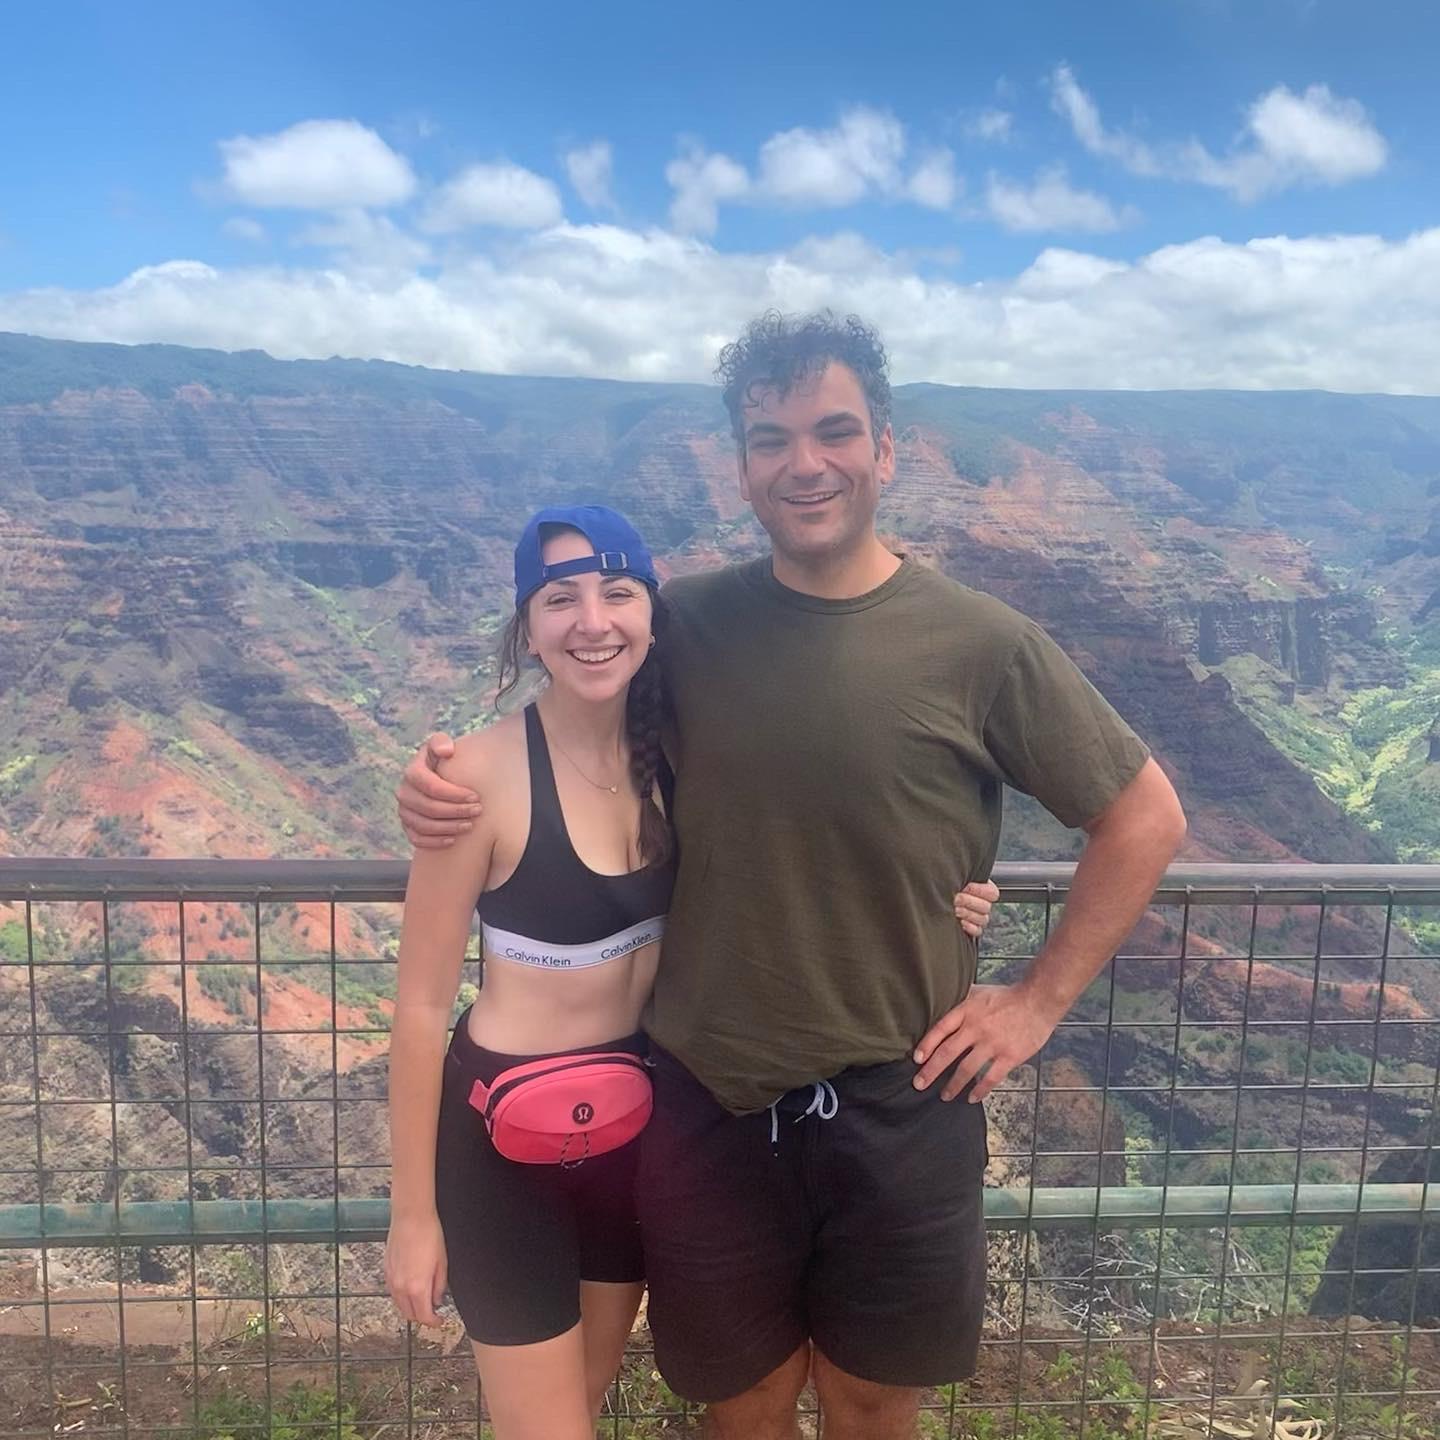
(644, 720)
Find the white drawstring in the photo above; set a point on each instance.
(824, 1102)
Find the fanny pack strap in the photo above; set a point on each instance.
(480, 1092)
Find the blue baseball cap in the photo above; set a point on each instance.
(619, 550)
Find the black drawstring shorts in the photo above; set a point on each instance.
(519, 1239)
(850, 1213)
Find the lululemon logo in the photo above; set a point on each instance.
(583, 1114)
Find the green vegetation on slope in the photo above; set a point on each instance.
(1369, 751)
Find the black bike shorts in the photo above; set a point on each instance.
(863, 1232)
(519, 1238)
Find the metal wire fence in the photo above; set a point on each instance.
(1211, 1199)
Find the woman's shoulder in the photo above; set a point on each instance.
(488, 756)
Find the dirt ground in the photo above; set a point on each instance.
(352, 1376)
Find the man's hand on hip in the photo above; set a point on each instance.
(994, 1029)
(997, 1027)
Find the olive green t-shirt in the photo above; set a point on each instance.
(839, 766)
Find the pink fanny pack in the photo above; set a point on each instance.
(559, 1110)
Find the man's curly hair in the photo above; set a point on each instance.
(777, 352)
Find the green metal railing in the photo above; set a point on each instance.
(1213, 1199)
(238, 1222)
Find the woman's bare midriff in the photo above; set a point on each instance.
(522, 1010)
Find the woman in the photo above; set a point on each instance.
(531, 1221)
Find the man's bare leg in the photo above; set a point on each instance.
(856, 1409)
(765, 1411)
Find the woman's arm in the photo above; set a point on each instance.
(439, 903)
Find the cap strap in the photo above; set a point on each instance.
(607, 561)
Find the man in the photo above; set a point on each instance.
(810, 1198)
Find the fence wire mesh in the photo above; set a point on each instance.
(1211, 1203)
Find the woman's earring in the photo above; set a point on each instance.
(652, 642)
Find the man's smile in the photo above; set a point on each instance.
(811, 497)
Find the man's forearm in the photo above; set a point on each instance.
(1122, 863)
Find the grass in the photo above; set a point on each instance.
(302, 1412)
(1064, 1366)
(1255, 1379)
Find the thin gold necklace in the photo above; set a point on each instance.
(613, 789)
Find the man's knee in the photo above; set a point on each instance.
(766, 1409)
(852, 1406)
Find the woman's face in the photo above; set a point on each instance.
(590, 631)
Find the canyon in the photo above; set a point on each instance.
(235, 593)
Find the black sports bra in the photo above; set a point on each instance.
(556, 913)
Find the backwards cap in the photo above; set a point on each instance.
(619, 550)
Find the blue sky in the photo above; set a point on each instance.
(1050, 193)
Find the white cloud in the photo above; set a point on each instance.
(833, 167)
(1057, 273)
(502, 194)
(991, 125)
(861, 157)
(701, 181)
(315, 165)
(1355, 312)
(1083, 115)
(933, 183)
(366, 241)
(1317, 135)
(591, 171)
(242, 227)
(1314, 138)
(1050, 202)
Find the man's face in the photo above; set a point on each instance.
(810, 466)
